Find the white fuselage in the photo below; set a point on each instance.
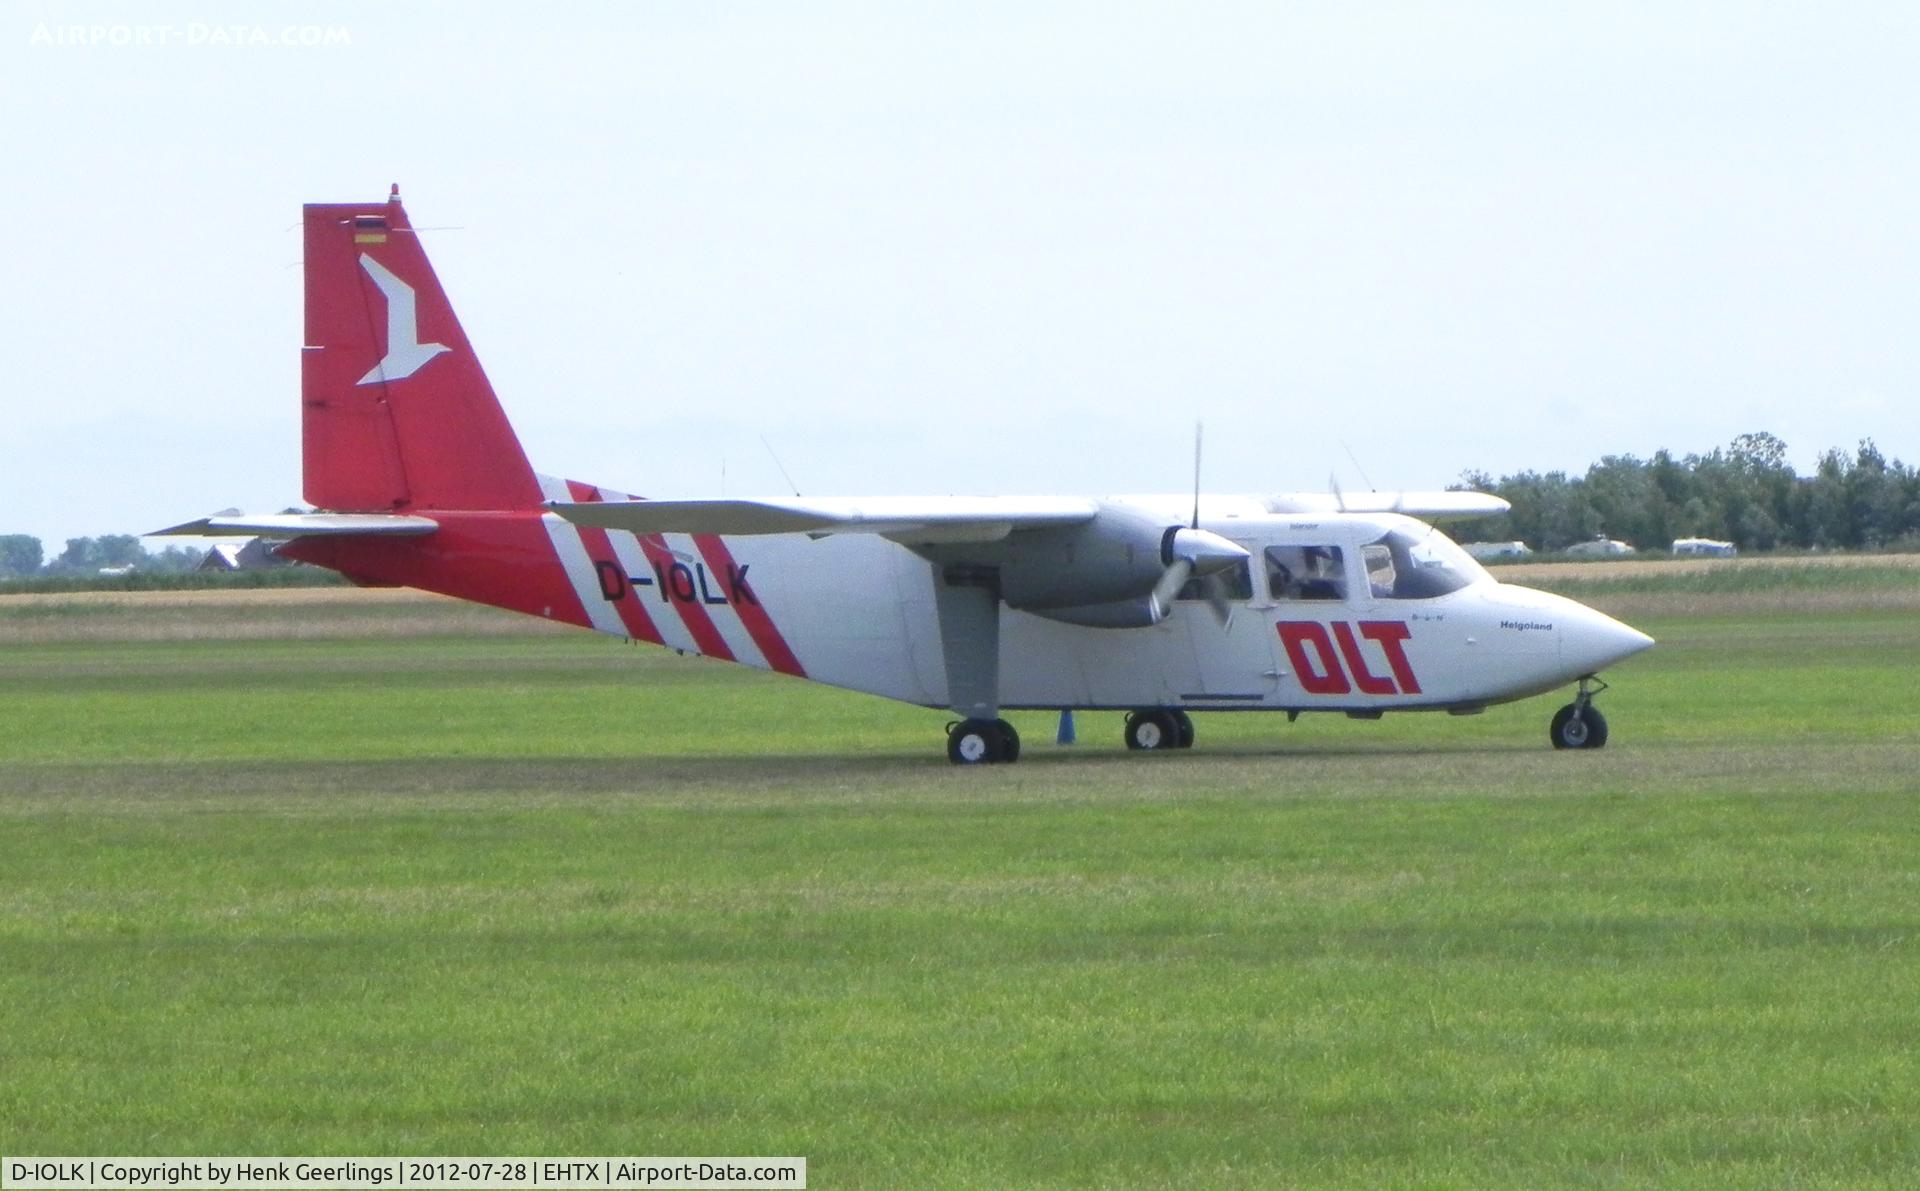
(1314, 623)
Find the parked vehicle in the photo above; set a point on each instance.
(1487, 551)
(1704, 547)
(1601, 546)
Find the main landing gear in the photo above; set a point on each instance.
(994, 742)
(1155, 728)
(1579, 725)
(982, 742)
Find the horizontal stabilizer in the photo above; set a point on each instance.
(1430, 506)
(300, 525)
(912, 518)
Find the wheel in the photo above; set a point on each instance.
(1148, 731)
(1182, 729)
(974, 742)
(1596, 728)
(1575, 729)
(982, 742)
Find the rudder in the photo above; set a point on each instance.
(397, 415)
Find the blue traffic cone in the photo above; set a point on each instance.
(1065, 734)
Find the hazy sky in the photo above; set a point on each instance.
(970, 247)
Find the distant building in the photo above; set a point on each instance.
(1601, 546)
(1488, 551)
(254, 554)
(1704, 546)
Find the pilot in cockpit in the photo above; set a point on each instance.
(1322, 580)
(1305, 573)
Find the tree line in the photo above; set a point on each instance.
(1745, 493)
(23, 557)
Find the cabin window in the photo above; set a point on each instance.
(1306, 573)
(1237, 581)
(1410, 565)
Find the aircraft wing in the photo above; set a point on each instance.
(299, 525)
(1429, 506)
(905, 518)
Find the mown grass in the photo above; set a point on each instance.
(1833, 585)
(1777, 577)
(266, 615)
(554, 895)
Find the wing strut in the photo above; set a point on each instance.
(970, 643)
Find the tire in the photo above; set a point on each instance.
(1009, 741)
(1596, 728)
(1572, 729)
(1183, 729)
(976, 742)
(1152, 731)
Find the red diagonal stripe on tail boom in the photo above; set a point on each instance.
(760, 626)
(600, 551)
(706, 636)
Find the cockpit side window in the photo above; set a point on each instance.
(1381, 574)
(1406, 566)
(1306, 573)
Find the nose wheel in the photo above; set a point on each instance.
(1579, 725)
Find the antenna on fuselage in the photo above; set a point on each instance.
(1355, 460)
(776, 462)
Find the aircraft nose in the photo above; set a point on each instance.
(1590, 640)
(1576, 641)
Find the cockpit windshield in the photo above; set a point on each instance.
(1418, 564)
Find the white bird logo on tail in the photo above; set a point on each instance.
(405, 352)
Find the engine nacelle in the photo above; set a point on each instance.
(1115, 557)
(1121, 570)
(1138, 613)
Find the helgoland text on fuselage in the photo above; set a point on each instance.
(1157, 606)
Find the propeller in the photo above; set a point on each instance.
(1188, 550)
(1214, 585)
(1171, 580)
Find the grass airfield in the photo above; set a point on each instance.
(338, 872)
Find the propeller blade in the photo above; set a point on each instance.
(1190, 552)
(1169, 587)
(1198, 426)
(1218, 603)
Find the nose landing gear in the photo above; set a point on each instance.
(1579, 725)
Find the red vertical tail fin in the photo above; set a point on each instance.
(397, 414)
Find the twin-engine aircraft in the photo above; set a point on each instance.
(1157, 606)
